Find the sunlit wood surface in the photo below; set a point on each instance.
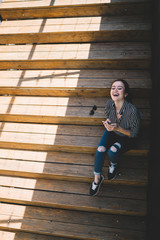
(57, 61)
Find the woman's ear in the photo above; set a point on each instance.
(126, 94)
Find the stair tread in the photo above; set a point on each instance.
(69, 3)
(76, 51)
(61, 106)
(138, 161)
(72, 171)
(75, 24)
(5, 235)
(74, 166)
(73, 201)
(63, 229)
(110, 189)
(59, 135)
(73, 78)
(33, 3)
(87, 218)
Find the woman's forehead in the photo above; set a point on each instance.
(118, 83)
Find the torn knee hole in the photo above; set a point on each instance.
(115, 147)
(101, 149)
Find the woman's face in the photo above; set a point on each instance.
(117, 91)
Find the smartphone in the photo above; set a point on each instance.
(106, 122)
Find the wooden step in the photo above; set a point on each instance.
(57, 137)
(70, 166)
(40, 213)
(64, 110)
(72, 37)
(139, 161)
(72, 100)
(76, 24)
(109, 189)
(95, 51)
(69, 92)
(70, 172)
(111, 64)
(71, 201)
(86, 29)
(32, 215)
(19, 235)
(30, 195)
(24, 11)
(83, 78)
(73, 56)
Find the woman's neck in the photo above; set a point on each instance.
(119, 105)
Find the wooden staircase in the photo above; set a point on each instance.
(57, 60)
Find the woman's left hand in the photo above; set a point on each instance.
(110, 126)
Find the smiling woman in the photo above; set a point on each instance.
(121, 128)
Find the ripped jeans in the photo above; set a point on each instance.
(115, 145)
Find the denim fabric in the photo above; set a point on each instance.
(115, 145)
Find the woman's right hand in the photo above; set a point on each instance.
(110, 126)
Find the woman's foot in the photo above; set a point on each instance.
(94, 189)
(112, 172)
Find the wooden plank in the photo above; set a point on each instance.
(56, 119)
(95, 51)
(69, 92)
(97, 56)
(63, 106)
(108, 190)
(88, 218)
(61, 229)
(61, 2)
(83, 136)
(61, 148)
(110, 64)
(89, 29)
(11, 235)
(12, 212)
(72, 201)
(72, 37)
(77, 147)
(73, 78)
(24, 12)
(51, 119)
(76, 24)
(72, 172)
(127, 160)
(67, 101)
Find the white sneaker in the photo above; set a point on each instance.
(111, 169)
(94, 189)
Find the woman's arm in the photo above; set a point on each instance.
(115, 127)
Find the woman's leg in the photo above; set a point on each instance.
(101, 153)
(99, 162)
(120, 146)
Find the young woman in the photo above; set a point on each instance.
(122, 126)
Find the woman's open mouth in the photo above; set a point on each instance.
(115, 94)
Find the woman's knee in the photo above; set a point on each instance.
(101, 149)
(114, 150)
